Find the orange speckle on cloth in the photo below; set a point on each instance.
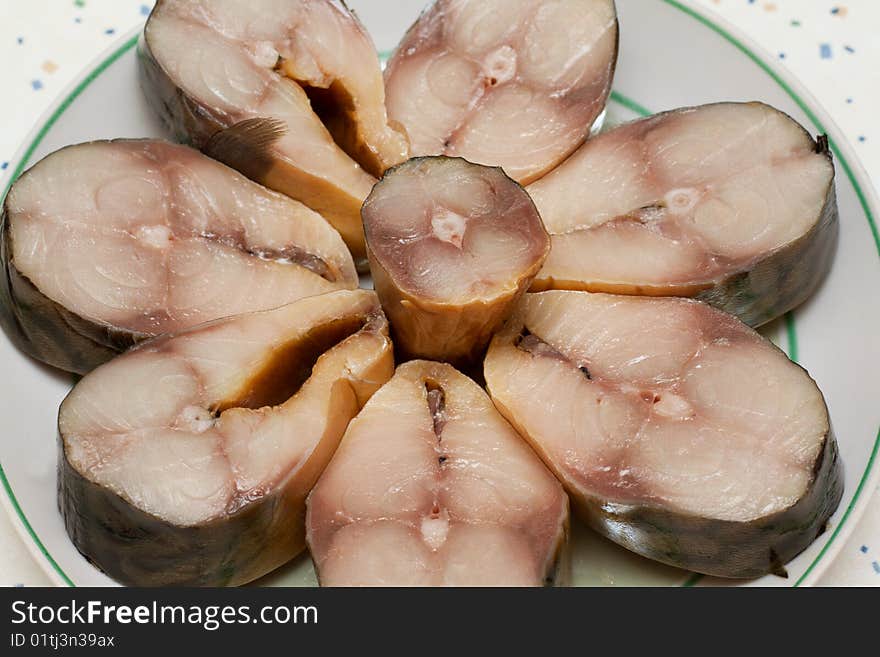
(49, 66)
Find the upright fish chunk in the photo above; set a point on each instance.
(731, 203)
(289, 92)
(187, 460)
(510, 83)
(679, 432)
(111, 242)
(432, 487)
(452, 246)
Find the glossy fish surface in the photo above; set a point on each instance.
(187, 460)
(731, 203)
(432, 487)
(289, 92)
(108, 243)
(509, 83)
(452, 245)
(679, 432)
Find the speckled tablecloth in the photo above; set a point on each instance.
(833, 47)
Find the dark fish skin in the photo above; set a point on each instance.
(47, 331)
(254, 537)
(769, 287)
(721, 548)
(139, 549)
(741, 550)
(773, 286)
(189, 121)
(193, 123)
(784, 279)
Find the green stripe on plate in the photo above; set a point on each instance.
(794, 96)
(30, 530)
(790, 328)
(865, 207)
(41, 134)
(846, 513)
(100, 68)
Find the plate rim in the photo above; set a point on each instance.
(791, 85)
(868, 199)
(100, 63)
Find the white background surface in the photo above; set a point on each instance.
(832, 47)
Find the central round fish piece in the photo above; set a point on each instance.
(452, 245)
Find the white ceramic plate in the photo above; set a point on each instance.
(670, 56)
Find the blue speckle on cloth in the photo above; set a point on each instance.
(36, 85)
(145, 10)
(19, 40)
(862, 138)
(110, 30)
(782, 55)
(3, 166)
(825, 50)
(864, 549)
(876, 567)
(849, 49)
